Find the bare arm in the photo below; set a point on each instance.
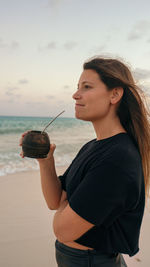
(50, 183)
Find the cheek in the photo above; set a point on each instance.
(101, 101)
(99, 106)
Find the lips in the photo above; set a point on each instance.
(80, 105)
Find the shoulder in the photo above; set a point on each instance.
(126, 158)
(125, 150)
(120, 152)
(115, 149)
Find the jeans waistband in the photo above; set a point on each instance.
(84, 252)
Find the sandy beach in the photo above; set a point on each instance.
(26, 235)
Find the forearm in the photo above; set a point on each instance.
(50, 183)
(62, 206)
(56, 219)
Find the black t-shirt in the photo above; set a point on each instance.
(105, 186)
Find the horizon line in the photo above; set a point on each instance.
(34, 116)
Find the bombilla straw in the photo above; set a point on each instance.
(52, 121)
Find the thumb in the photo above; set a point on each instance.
(52, 149)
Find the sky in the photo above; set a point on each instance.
(44, 43)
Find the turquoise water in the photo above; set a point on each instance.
(69, 134)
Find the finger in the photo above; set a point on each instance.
(51, 151)
(25, 133)
(52, 147)
(21, 154)
(20, 141)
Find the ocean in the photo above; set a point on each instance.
(69, 135)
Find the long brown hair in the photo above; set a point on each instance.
(132, 111)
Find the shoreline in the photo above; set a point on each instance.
(59, 169)
(27, 237)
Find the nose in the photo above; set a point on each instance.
(76, 95)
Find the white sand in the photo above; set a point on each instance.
(26, 235)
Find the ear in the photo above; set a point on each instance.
(116, 95)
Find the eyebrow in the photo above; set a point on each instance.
(85, 82)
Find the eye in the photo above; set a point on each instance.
(84, 87)
(87, 86)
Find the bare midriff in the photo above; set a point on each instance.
(76, 245)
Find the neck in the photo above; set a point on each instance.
(106, 127)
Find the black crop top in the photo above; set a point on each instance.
(105, 186)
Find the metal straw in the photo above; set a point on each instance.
(52, 121)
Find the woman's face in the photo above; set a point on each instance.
(92, 97)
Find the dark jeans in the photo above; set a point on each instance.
(72, 257)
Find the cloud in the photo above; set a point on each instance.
(140, 29)
(2, 44)
(70, 45)
(13, 45)
(66, 87)
(67, 90)
(12, 94)
(14, 97)
(10, 90)
(50, 96)
(141, 74)
(23, 81)
(98, 49)
(54, 45)
(50, 46)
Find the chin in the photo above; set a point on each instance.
(80, 117)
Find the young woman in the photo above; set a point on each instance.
(100, 199)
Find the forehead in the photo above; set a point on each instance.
(89, 76)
